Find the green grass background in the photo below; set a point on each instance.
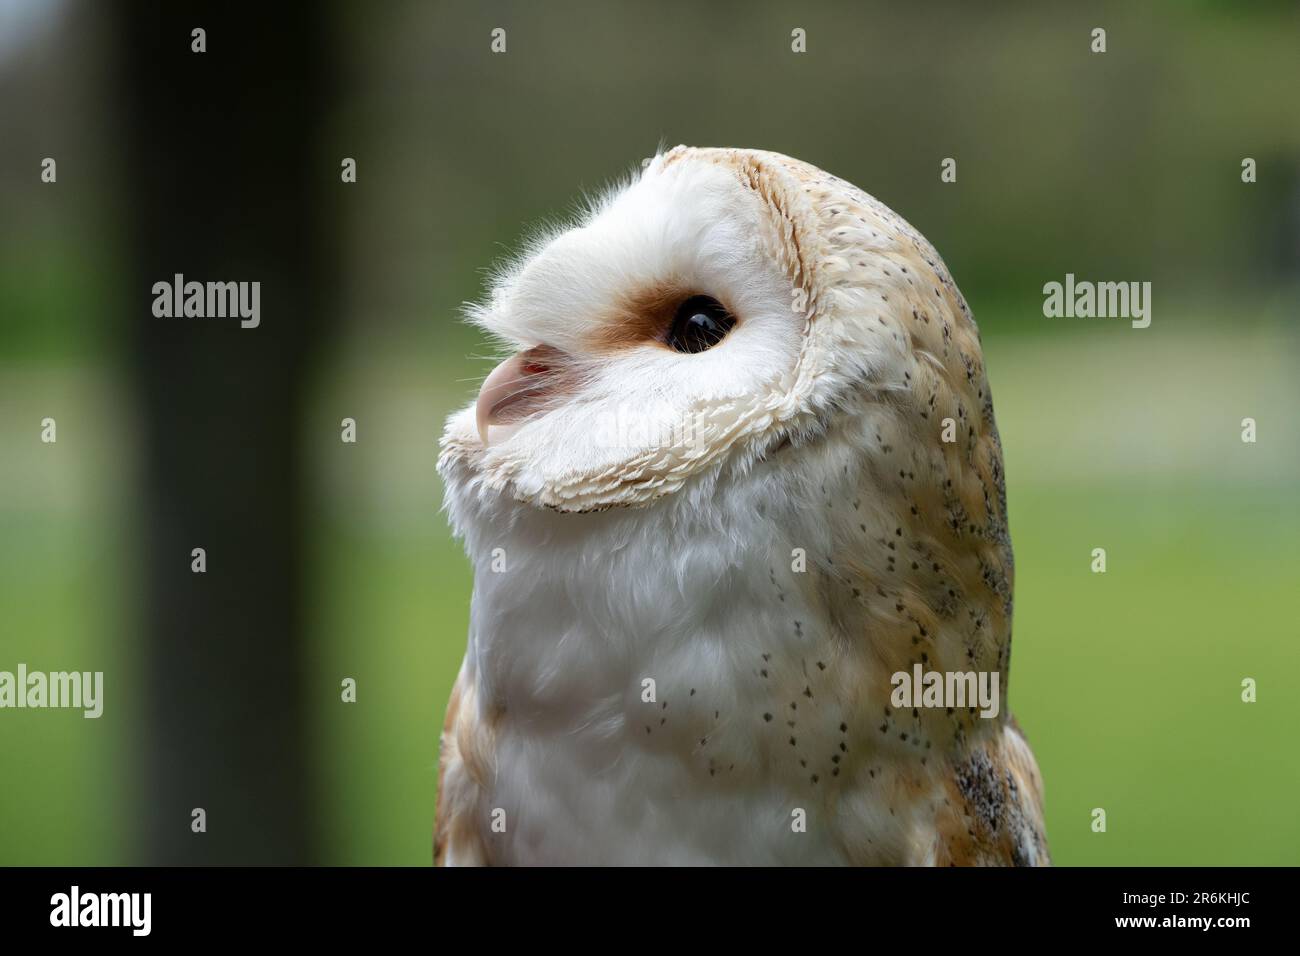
(1117, 167)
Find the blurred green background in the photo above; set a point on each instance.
(1121, 166)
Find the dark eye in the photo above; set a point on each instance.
(700, 323)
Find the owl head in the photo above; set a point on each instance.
(719, 307)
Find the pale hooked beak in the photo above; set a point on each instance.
(517, 387)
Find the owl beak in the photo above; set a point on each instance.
(516, 387)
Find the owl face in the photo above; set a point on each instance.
(718, 307)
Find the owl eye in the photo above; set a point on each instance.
(700, 323)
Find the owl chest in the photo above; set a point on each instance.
(681, 705)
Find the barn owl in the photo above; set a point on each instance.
(739, 474)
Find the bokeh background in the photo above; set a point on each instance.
(328, 560)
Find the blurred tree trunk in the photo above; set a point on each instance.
(225, 181)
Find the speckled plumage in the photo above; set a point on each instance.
(813, 429)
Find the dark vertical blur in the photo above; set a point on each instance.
(226, 183)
